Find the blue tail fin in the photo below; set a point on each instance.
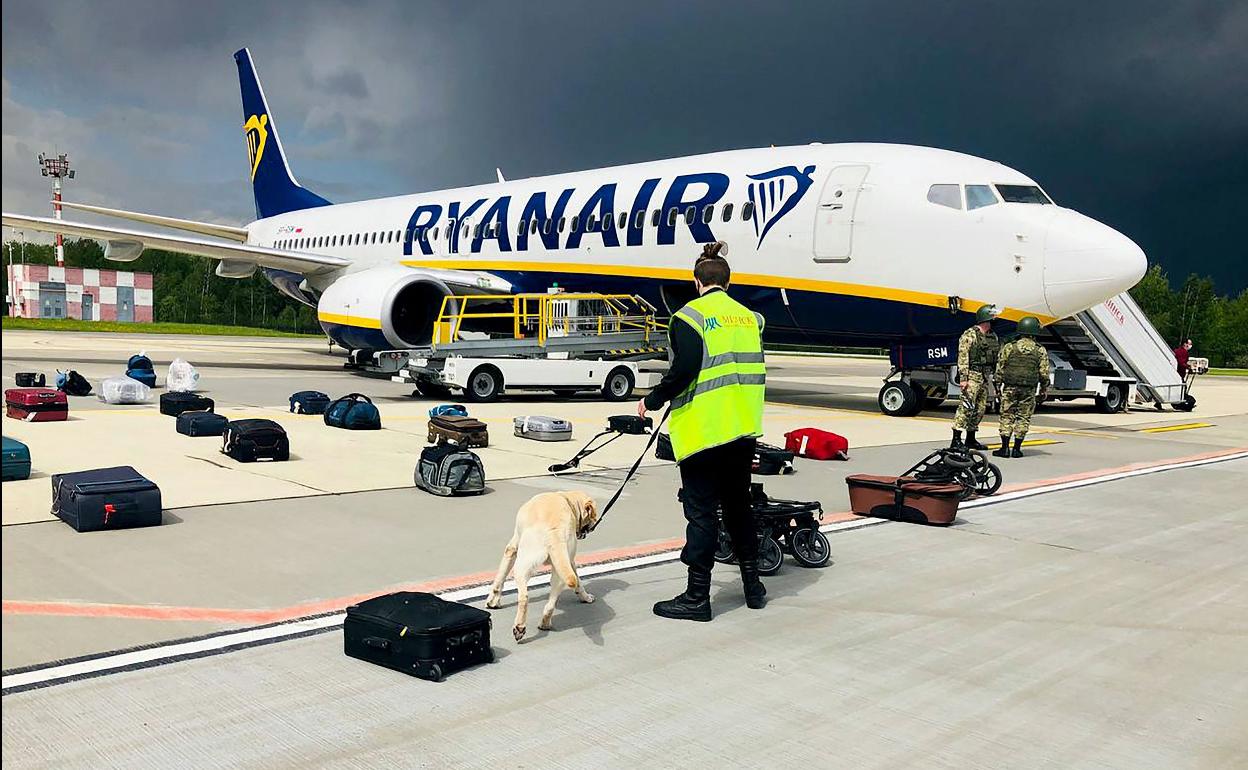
(274, 186)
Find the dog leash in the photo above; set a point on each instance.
(654, 436)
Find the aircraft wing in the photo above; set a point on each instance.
(126, 245)
(203, 228)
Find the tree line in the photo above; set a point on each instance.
(1217, 325)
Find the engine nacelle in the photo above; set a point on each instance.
(382, 308)
(235, 268)
(123, 251)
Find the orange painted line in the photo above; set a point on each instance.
(223, 615)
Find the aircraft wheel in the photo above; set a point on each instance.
(897, 399)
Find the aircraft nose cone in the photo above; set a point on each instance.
(1086, 263)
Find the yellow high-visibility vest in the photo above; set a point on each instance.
(725, 402)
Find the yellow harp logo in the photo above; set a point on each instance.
(257, 134)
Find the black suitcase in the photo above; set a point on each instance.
(105, 498)
(30, 380)
(251, 440)
(417, 633)
(174, 404)
(202, 423)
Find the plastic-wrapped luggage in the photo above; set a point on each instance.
(36, 404)
(903, 498)
(16, 460)
(182, 377)
(106, 498)
(419, 634)
(540, 428)
(123, 390)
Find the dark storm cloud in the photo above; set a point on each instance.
(1133, 112)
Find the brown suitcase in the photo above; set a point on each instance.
(903, 499)
(460, 431)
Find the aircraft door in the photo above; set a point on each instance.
(834, 219)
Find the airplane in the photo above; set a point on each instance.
(834, 244)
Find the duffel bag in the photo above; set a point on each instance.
(354, 411)
(123, 390)
(16, 460)
(540, 428)
(202, 424)
(71, 383)
(449, 470)
(460, 431)
(308, 402)
(255, 439)
(817, 444)
(105, 498)
(30, 380)
(449, 410)
(772, 460)
(630, 424)
(36, 404)
(419, 634)
(174, 404)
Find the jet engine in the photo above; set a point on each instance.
(382, 307)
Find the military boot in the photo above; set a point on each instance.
(1004, 449)
(957, 439)
(755, 592)
(693, 604)
(1018, 447)
(971, 443)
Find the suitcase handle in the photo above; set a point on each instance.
(377, 642)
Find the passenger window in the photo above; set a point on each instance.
(464, 233)
(978, 196)
(607, 221)
(435, 233)
(727, 212)
(708, 214)
(562, 221)
(747, 211)
(546, 225)
(945, 195)
(576, 223)
(622, 219)
(691, 214)
(639, 219)
(590, 221)
(533, 229)
(476, 231)
(654, 220)
(523, 226)
(672, 213)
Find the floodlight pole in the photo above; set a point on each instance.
(58, 169)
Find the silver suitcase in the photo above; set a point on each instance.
(541, 428)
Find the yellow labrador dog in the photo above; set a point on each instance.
(547, 527)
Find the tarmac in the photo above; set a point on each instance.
(1093, 614)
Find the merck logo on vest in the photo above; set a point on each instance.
(471, 224)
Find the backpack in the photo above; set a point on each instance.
(817, 444)
(182, 377)
(308, 402)
(139, 361)
(448, 470)
(71, 383)
(449, 410)
(354, 411)
(145, 376)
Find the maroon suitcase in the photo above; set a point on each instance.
(36, 404)
(903, 499)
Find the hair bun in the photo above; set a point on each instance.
(715, 250)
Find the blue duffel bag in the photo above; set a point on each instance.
(308, 402)
(449, 410)
(354, 411)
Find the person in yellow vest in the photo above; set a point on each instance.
(715, 385)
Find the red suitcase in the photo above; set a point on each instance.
(903, 499)
(817, 444)
(36, 404)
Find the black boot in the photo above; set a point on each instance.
(1004, 449)
(755, 591)
(971, 443)
(957, 440)
(693, 604)
(1018, 447)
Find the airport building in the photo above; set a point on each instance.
(47, 291)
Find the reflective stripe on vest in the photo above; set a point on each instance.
(725, 402)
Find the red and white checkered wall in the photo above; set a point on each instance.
(24, 289)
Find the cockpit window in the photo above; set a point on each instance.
(978, 196)
(1022, 193)
(945, 195)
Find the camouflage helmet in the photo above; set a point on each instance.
(1029, 325)
(985, 313)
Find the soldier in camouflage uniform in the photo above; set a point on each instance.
(1022, 365)
(977, 358)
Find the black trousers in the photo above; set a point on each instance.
(717, 478)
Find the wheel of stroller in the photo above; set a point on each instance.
(769, 556)
(987, 480)
(970, 484)
(811, 547)
(723, 549)
(958, 458)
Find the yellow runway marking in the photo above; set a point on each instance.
(1032, 442)
(1085, 433)
(1184, 426)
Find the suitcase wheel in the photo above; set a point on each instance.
(435, 673)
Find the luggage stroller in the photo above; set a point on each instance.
(968, 468)
(784, 526)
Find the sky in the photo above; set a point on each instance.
(1134, 112)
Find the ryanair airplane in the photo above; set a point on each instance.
(844, 244)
